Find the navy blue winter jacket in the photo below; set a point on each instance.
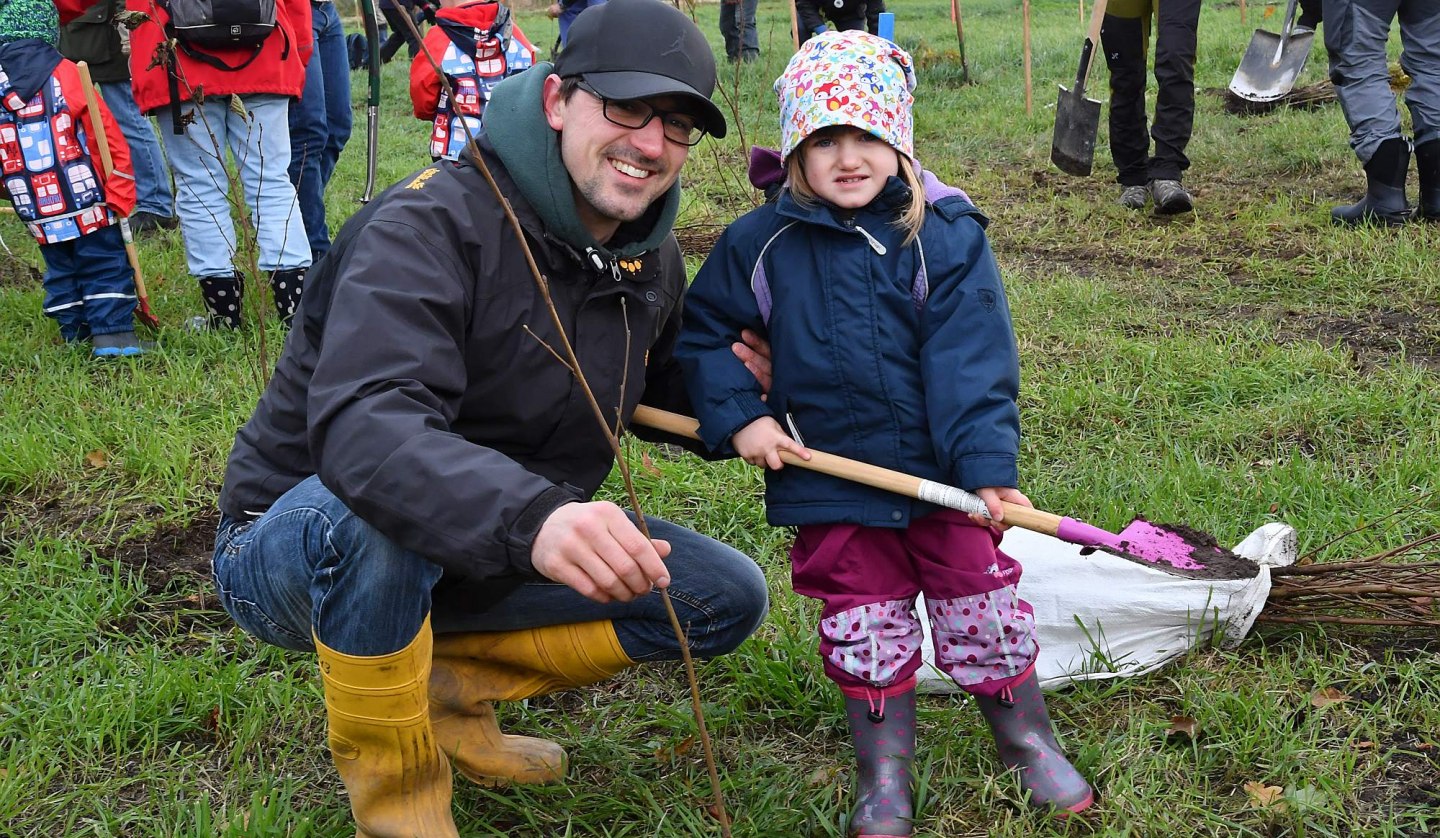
(868, 363)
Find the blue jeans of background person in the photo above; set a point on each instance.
(320, 122)
(309, 563)
(152, 179)
(261, 148)
(737, 25)
(89, 289)
(1357, 33)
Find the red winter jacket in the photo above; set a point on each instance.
(279, 68)
(424, 83)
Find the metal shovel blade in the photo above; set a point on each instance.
(1269, 68)
(1077, 120)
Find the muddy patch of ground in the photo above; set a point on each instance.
(17, 273)
(174, 564)
(1374, 338)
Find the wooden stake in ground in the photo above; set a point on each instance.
(960, 37)
(1025, 30)
(1242, 12)
(1082, 12)
(794, 24)
(97, 127)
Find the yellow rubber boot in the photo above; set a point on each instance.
(473, 670)
(382, 744)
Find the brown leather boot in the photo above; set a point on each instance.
(474, 669)
(382, 744)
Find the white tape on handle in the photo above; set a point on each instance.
(951, 497)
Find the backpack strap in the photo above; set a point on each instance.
(760, 281)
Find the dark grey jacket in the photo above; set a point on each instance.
(410, 384)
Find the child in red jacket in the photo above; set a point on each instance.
(476, 45)
(50, 164)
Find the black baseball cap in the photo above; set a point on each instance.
(635, 49)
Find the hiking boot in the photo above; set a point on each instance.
(1134, 197)
(1170, 197)
(116, 345)
(1384, 201)
(149, 222)
(1427, 163)
(884, 735)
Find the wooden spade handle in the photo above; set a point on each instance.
(97, 127)
(880, 478)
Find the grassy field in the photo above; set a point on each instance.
(1246, 364)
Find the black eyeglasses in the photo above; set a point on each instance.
(679, 127)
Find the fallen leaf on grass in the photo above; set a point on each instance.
(1321, 699)
(1263, 796)
(822, 776)
(668, 753)
(1181, 727)
(97, 459)
(649, 466)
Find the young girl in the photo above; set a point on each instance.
(891, 344)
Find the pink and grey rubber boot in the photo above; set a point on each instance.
(884, 734)
(1025, 741)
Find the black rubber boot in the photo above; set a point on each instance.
(1384, 201)
(884, 735)
(1427, 163)
(1025, 741)
(225, 297)
(285, 288)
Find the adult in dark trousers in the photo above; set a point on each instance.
(1356, 32)
(320, 121)
(394, 12)
(737, 27)
(565, 12)
(95, 38)
(1125, 37)
(840, 15)
(412, 498)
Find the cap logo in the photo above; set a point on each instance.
(678, 46)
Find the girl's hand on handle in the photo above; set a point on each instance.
(994, 497)
(760, 443)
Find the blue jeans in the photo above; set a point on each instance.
(309, 563)
(261, 148)
(320, 122)
(152, 179)
(737, 25)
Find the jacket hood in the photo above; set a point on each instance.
(28, 63)
(474, 15)
(530, 149)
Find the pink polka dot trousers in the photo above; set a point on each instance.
(868, 579)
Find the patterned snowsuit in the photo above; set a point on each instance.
(51, 169)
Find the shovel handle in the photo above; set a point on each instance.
(1092, 41)
(97, 127)
(869, 475)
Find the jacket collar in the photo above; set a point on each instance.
(530, 149)
(881, 210)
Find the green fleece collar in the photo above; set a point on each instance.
(530, 149)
